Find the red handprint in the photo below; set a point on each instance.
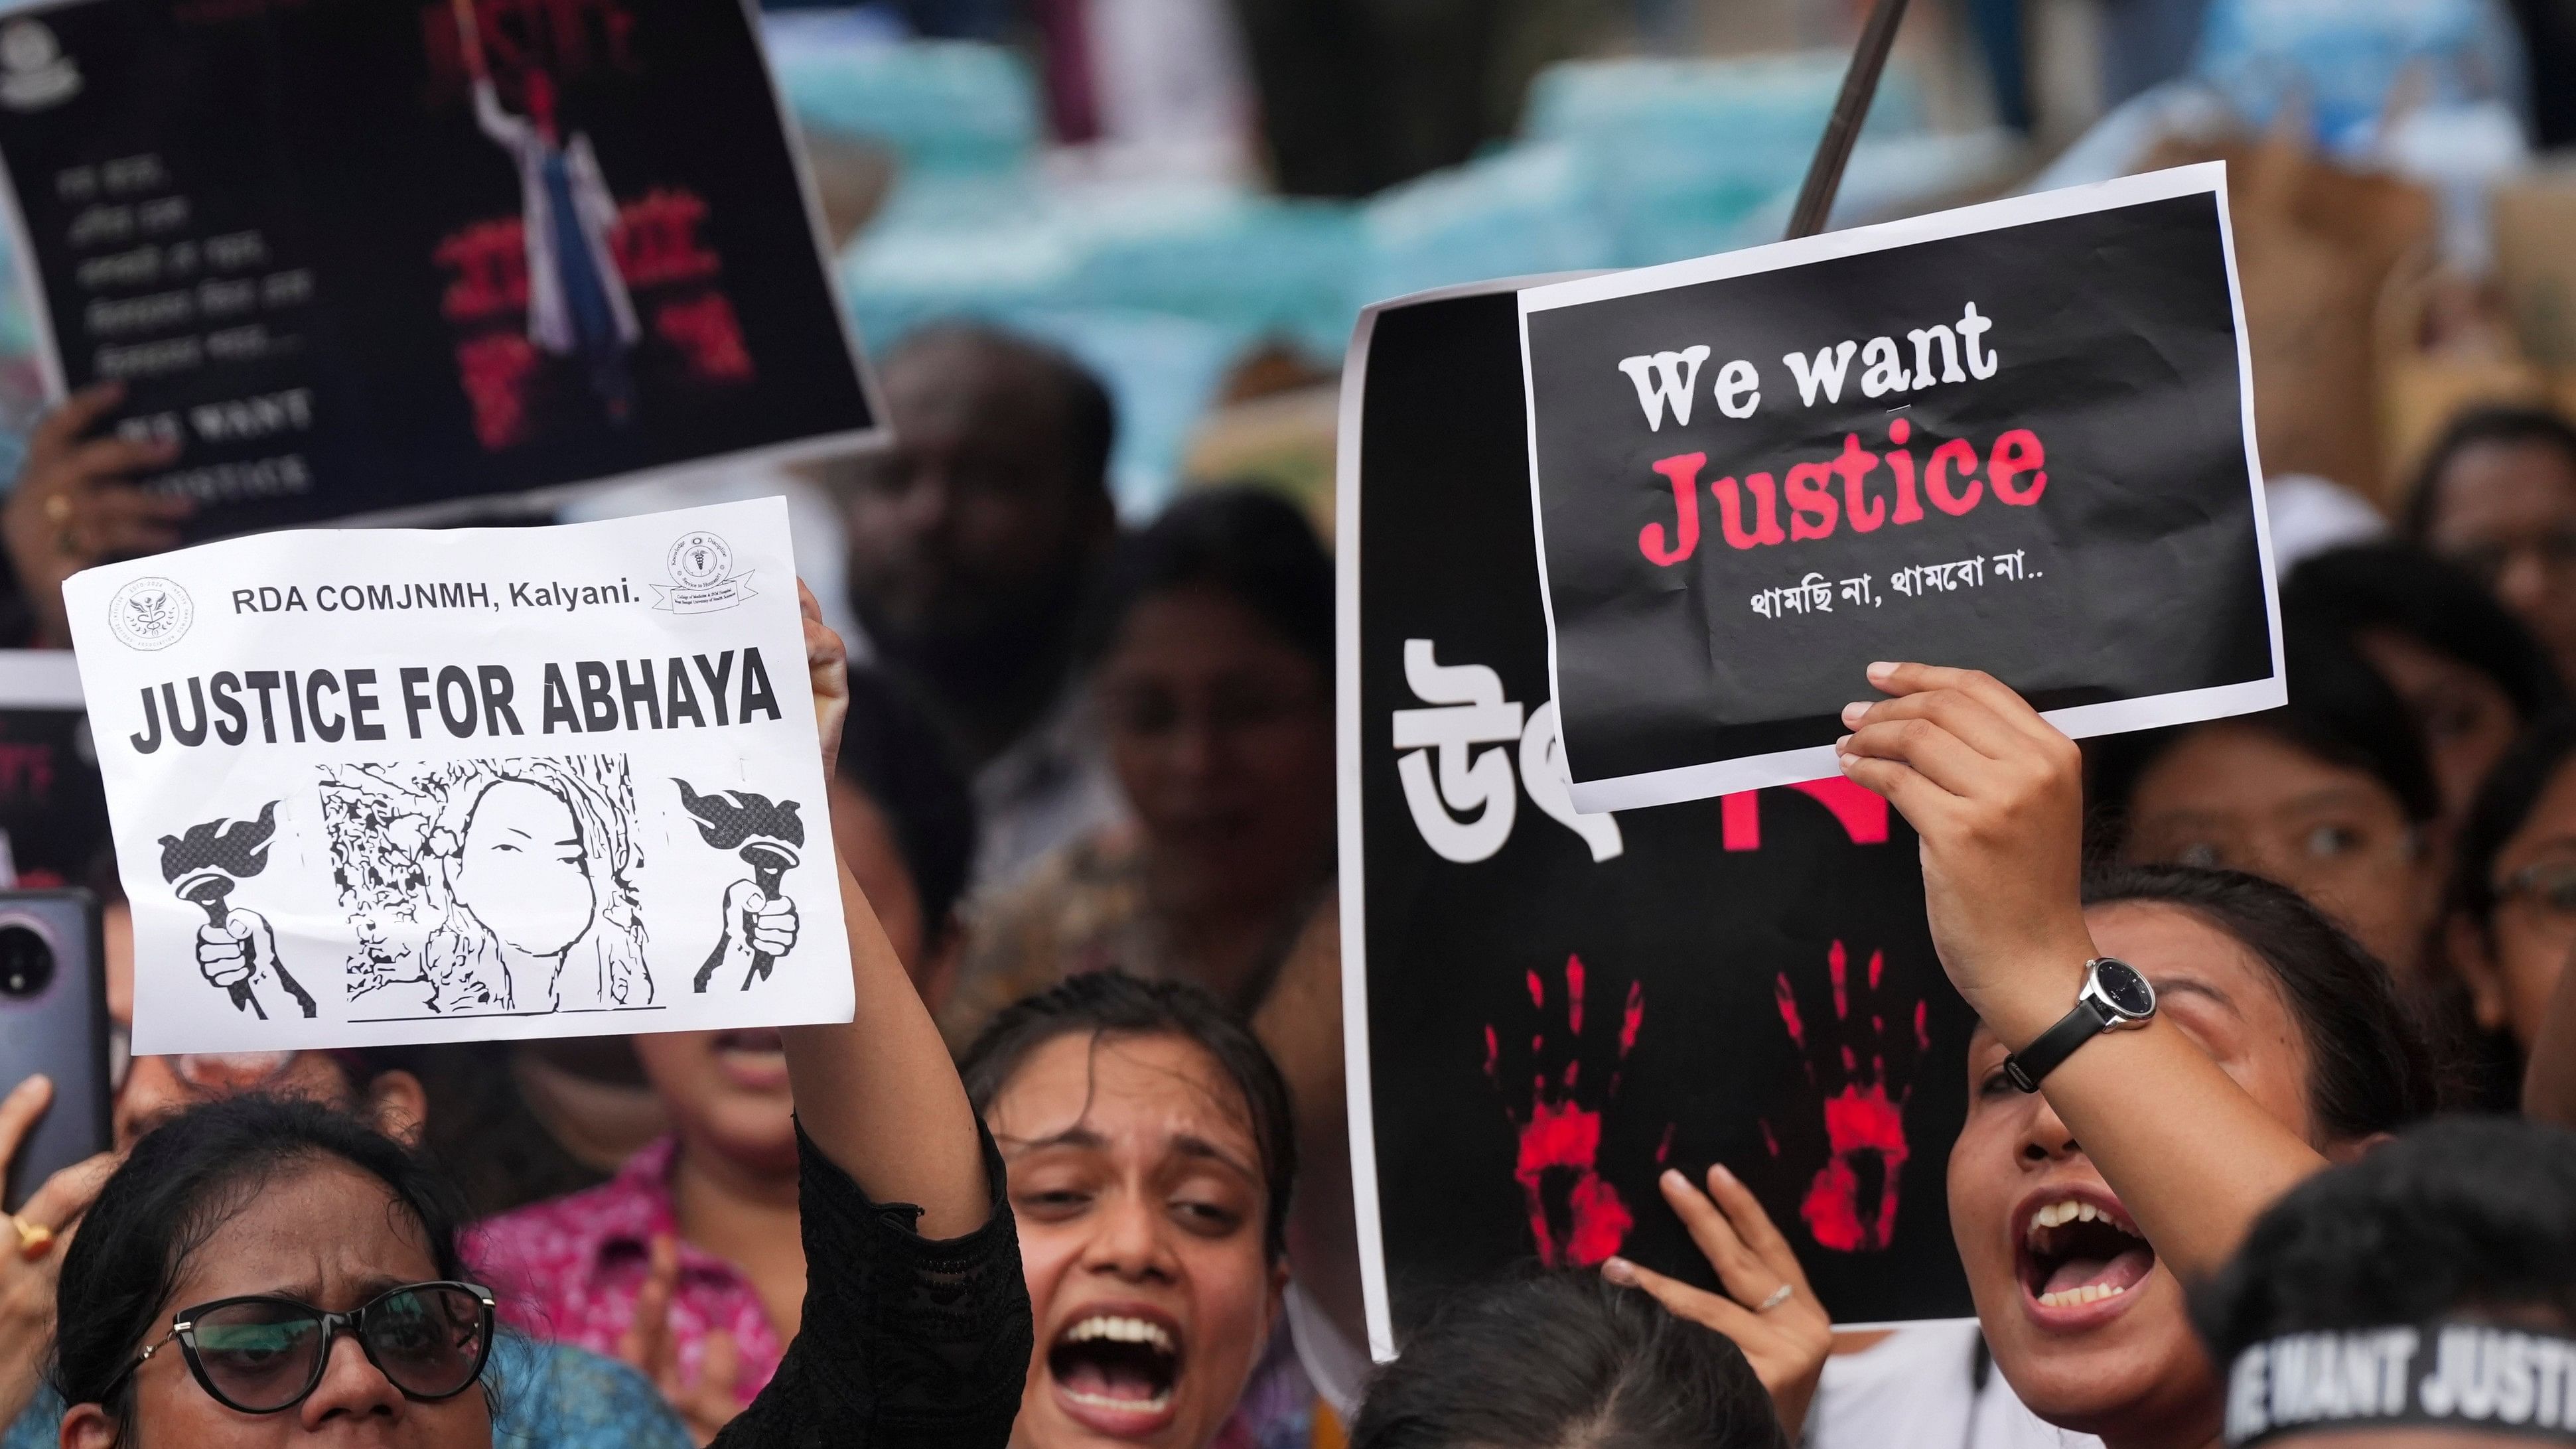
(1850, 1204)
(1576, 1216)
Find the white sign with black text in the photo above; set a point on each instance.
(388, 786)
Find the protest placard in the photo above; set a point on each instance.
(2015, 437)
(1545, 1009)
(392, 786)
(387, 259)
(53, 812)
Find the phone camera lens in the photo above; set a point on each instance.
(26, 962)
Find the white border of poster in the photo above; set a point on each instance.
(1352, 826)
(40, 679)
(1816, 762)
(879, 434)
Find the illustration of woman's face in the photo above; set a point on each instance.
(522, 870)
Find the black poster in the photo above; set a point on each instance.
(2016, 437)
(53, 806)
(365, 256)
(53, 810)
(1558, 1006)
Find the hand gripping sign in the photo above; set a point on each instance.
(391, 786)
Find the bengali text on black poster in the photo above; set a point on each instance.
(2015, 437)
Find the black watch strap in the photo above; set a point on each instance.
(2032, 1064)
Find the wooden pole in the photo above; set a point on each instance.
(1860, 86)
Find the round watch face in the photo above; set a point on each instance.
(2119, 983)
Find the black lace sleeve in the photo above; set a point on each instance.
(906, 1342)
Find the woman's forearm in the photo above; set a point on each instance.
(1997, 795)
(879, 1095)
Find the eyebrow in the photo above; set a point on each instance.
(1186, 1144)
(309, 1291)
(1192, 1146)
(2186, 986)
(2329, 795)
(2308, 800)
(1074, 1136)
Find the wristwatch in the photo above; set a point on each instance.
(2115, 998)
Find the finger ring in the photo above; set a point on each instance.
(34, 1239)
(58, 506)
(1779, 1295)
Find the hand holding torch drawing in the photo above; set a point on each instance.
(236, 948)
(760, 924)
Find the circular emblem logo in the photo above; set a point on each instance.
(150, 613)
(700, 560)
(27, 45)
(34, 72)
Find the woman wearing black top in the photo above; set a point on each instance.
(262, 1273)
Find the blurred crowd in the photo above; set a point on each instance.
(1085, 783)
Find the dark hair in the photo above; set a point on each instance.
(2400, 586)
(2369, 1067)
(2503, 806)
(2467, 1213)
(181, 1183)
(1248, 543)
(1088, 415)
(2340, 710)
(1113, 1004)
(1560, 1359)
(900, 761)
(2489, 426)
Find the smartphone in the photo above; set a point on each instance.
(53, 1019)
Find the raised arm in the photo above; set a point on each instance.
(1997, 795)
(879, 1094)
(916, 1326)
(469, 37)
(497, 123)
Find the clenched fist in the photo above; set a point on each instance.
(243, 950)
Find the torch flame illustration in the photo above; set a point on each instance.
(206, 862)
(768, 836)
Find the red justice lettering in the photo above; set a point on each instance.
(1847, 489)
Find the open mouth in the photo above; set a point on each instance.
(1117, 1371)
(2075, 1252)
(754, 1058)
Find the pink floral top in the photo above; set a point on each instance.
(569, 1269)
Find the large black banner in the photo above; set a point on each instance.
(1559, 1006)
(369, 255)
(2015, 437)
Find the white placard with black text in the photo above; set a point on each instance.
(388, 786)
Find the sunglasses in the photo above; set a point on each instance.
(263, 1355)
